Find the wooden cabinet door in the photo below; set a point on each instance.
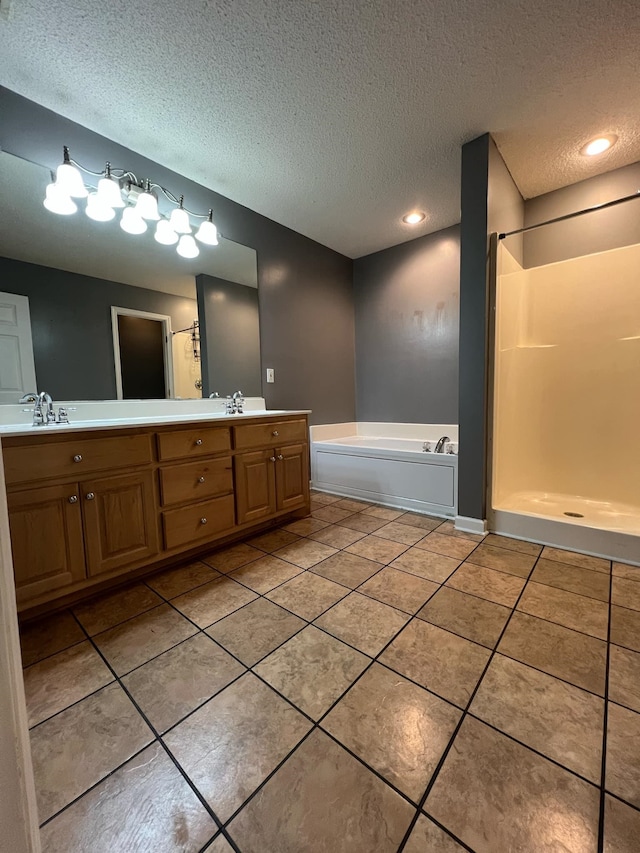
(255, 485)
(120, 521)
(292, 476)
(46, 539)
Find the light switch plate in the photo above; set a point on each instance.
(271, 375)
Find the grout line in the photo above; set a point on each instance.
(622, 800)
(605, 723)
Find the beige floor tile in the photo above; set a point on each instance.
(426, 837)
(427, 564)
(596, 564)
(104, 730)
(220, 845)
(625, 627)
(272, 540)
(624, 677)
(312, 670)
(255, 630)
(623, 570)
(265, 574)
(353, 504)
(572, 579)
(213, 601)
(111, 609)
(449, 546)
(417, 519)
(555, 718)
(231, 744)
(363, 622)
(403, 533)
(383, 512)
(557, 650)
(621, 827)
(448, 528)
(336, 536)
(145, 805)
(232, 558)
(347, 569)
(503, 560)
(496, 795)
(622, 776)
(467, 615)
(339, 806)
(324, 497)
(170, 686)
(308, 595)
(371, 721)
(176, 581)
(47, 636)
(305, 553)
(332, 513)
(363, 523)
(377, 549)
(499, 587)
(62, 679)
(626, 593)
(513, 544)
(305, 526)
(399, 589)
(566, 608)
(138, 640)
(438, 660)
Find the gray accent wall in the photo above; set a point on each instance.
(71, 325)
(305, 289)
(406, 312)
(594, 232)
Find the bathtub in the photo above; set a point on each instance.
(387, 464)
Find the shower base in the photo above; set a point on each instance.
(601, 528)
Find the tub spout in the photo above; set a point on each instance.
(439, 448)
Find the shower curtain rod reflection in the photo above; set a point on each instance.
(571, 215)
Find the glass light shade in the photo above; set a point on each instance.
(207, 233)
(165, 233)
(147, 206)
(131, 222)
(98, 210)
(179, 221)
(69, 179)
(109, 192)
(58, 201)
(187, 247)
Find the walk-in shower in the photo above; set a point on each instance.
(565, 439)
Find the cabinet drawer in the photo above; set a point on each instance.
(74, 458)
(196, 481)
(271, 434)
(197, 523)
(189, 443)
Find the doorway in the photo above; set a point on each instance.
(142, 354)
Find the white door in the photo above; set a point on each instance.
(17, 369)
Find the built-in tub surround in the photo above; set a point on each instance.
(388, 464)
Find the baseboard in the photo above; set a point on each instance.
(471, 525)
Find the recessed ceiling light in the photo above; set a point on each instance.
(599, 145)
(413, 218)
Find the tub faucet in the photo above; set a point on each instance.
(441, 443)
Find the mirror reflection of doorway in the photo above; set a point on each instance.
(142, 354)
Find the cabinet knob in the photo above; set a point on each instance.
(272, 459)
(201, 479)
(198, 441)
(73, 499)
(203, 521)
(276, 433)
(77, 458)
(90, 496)
(280, 456)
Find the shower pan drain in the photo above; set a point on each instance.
(574, 514)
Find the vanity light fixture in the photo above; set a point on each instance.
(599, 145)
(414, 218)
(138, 199)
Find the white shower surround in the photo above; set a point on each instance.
(385, 463)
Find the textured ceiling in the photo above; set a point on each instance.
(335, 117)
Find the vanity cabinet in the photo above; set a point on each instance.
(271, 481)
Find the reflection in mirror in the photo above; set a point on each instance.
(74, 271)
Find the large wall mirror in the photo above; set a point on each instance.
(107, 307)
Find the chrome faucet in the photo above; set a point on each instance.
(238, 400)
(40, 415)
(439, 448)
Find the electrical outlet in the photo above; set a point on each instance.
(271, 375)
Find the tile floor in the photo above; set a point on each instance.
(363, 680)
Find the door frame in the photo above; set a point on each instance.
(167, 349)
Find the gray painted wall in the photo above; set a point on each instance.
(593, 232)
(71, 325)
(406, 309)
(305, 289)
(230, 337)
